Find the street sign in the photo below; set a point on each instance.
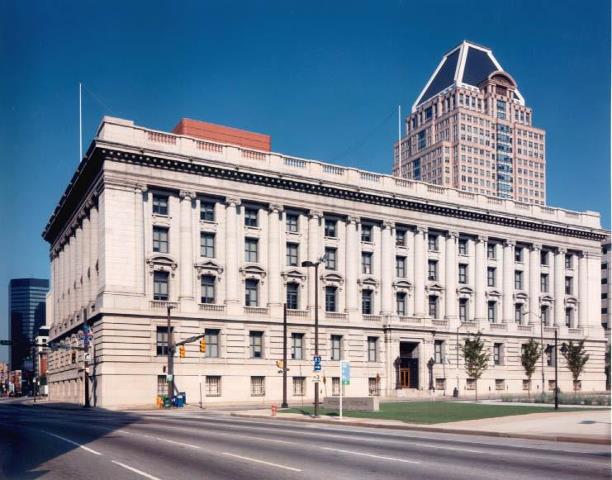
(316, 378)
(316, 363)
(345, 368)
(169, 377)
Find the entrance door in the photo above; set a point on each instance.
(408, 371)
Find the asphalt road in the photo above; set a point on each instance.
(43, 442)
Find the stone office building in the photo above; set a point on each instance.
(219, 229)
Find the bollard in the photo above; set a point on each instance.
(274, 410)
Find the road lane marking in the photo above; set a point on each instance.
(273, 440)
(135, 470)
(90, 450)
(189, 445)
(261, 461)
(382, 457)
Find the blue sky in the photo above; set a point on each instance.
(323, 78)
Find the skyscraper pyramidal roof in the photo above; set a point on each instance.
(466, 64)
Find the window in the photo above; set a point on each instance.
(492, 311)
(518, 254)
(544, 282)
(372, 349)
(432, 242)
(366, 262)
(440, 383)
(497, 354)
(400, 267)
(463, 246)
(463, 310)
(551, 385)
(330, 258)
(212, 342)
(297, 346)
(550, 357)
(470, 384)
(335, 386)
(373, 386)
(569, 313)
(569, 285)
(491, 274)
(569, 261)
(160, 204)
(162, 385)
(366, 302)
(160, 286)
(330, 299)
(438, 351)
(250, 217)
(526, 385)
(544, 314)
(500, 384)
(256, 344)
(330, 228)
(161, 340)
(250, 250)
(543, 257)
(518, 280)
(336, 347)
(366, 233)
(213, 386)
(400, 302)
(433, 306)
(432, 270)
(292, 220)
(293, 296)
(208, 289)
(258, 386)
(463, 273)
(207, 245)
(491, 251)
(251, 291)
(160, 239)
(400, 237)
(292, 254)
(518, 313)
(207, 211)
(299, 386)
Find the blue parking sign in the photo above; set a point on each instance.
(316, 363)
(345, 368)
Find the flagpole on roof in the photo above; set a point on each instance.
(399, 141)
(80, 122)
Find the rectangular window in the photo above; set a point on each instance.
(569, 261)
(258, 386)
(400, 237)
(330, 258)
(366, 262)
(518, 254)
(330, 228)
(299, 386)
(293, 224)
(256, 344)
(518, 313)
(250, 217)
(569, 285)
(544, 314)
(212, 342)
(438, 351)
(550, 355)
(543, 257)
(491, 251)
(207, 283)
(500, 384)
(470, 384)
(162, 385)
(335, 386)
(292, 254)
(161, 340)
(400, 302)
(463, 246)
(366, 233)
(400, 267)
(251, 291)
(160, 286)
(213, 386)
(330, 299)
(160, 204)
(336, 347)
(463, 310)
(250, 250)
(568, 316)
(432, 270)
(433, 306)
(463, 273)
(491, 274)
(432, 242)
(297, 346)
(293, 296)
(373, 386)
(492, 311)
(207, 245)
(544, 282)
(518, 280)
(207, 211)
(160, 239)
(366, 302)
(497, 353)
(372, 349)
(526, 385)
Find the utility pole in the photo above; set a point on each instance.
(315, 264)
(556, 374)
(284, 404)
(170, 349)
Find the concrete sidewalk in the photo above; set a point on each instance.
(580, 427)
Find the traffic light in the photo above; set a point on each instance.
(203, 345)
(182, 351)
(280, 365)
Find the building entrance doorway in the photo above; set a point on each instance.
(408, 365)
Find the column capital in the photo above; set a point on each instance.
(140, 188)
(452, 234)
(388, 224)
(186, 195)
(561, 250)
(315, 214)
(421, 229)
(509, 243)
(232, 201)
(481, 239)
(352, 219)
(275, 207)
(536, 246)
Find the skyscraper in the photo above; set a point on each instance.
(470, 129)
(27, 314)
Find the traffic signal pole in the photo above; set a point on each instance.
(170, 350)
(284, 404)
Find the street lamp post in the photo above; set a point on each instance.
(284, 404)
(541, 345)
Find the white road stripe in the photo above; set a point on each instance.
(135, 470)
(261, 461)
(350, 452)
(90, 450)
(273, 440)
(189, 445)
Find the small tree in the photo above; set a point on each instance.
(529, 358)
(607, 367)
(576, 358)
(476, 358)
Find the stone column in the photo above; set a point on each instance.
(351, 267)
(314, 254)
(508, 282)
(274, 258)
(480, 267)
(583, 290)
(534, 285)
(139, 238)
(231, 254)
(186, 243)
(93, 252)
(450, 281)
(387, 273)
(410, 268)
(420, 259)
(559, 292)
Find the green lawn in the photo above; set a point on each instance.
(432, 412)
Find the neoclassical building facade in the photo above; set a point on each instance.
(219, 232)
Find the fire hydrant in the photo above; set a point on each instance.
(274, 410)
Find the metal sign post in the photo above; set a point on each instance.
(345, 379)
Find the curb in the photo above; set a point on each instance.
(418, 428)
